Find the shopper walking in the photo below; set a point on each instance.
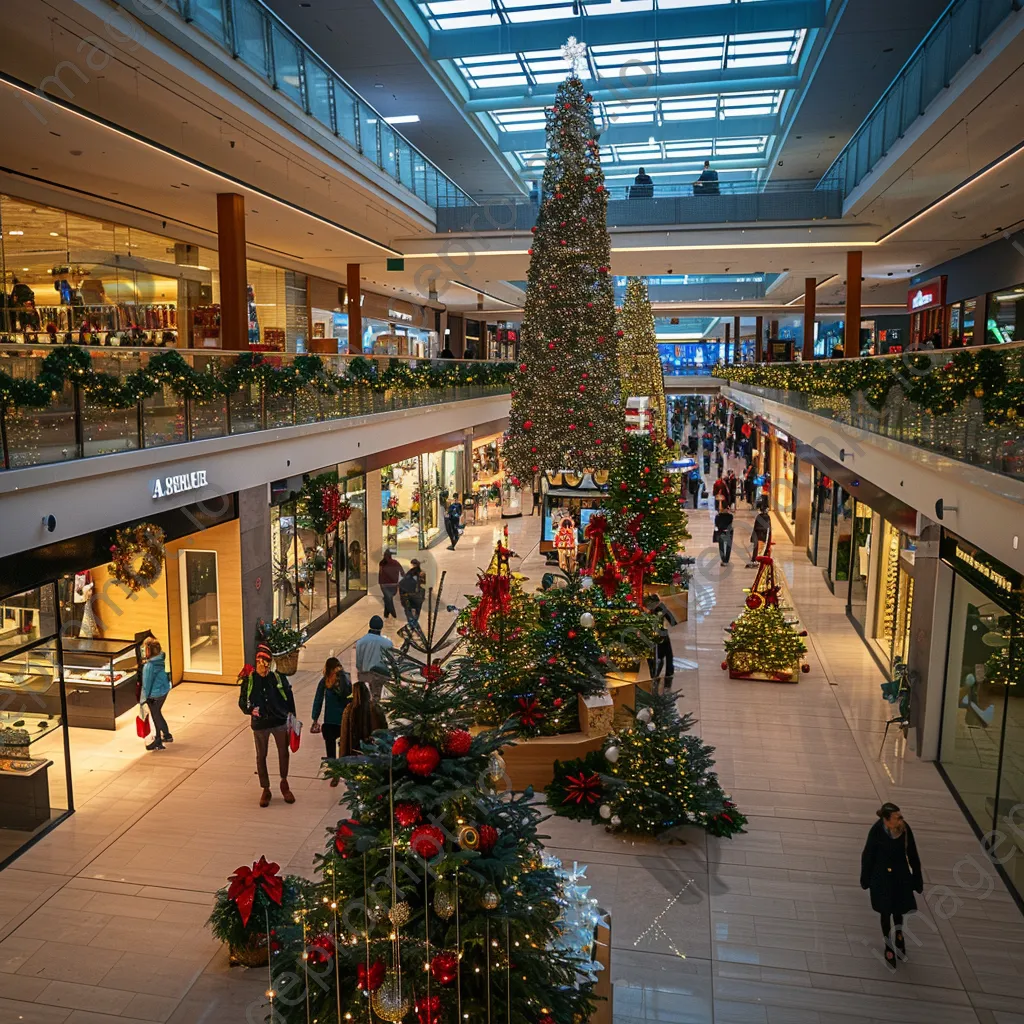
(748, 486)
(452, 520)
(760, 536)
(389, 573)
(411, 591)
(267, 698)
(663, 662)
(694, 484)
(723, 534)
(720, 492)
(362, 718)
(372, 666)
(732, 483)
(891, 869)
(156, 684)
(332, 696)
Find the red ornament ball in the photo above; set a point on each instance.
(546, 1019)
(400, 746)
(551, 345)
(522, 367)
(423, 759)
(603, 659)
(515, 481)
(557, 702)
(427, 841)
(529, 252)
(805, 668)
(444, 967)
(572, 426)
(725, 665)
(488, 838)
(572, 634)
(527, 424)
(552, 660)
(457, 742)
(534, 229)
(623, 486)
(408, 813)
(583, 387)
(618, 334)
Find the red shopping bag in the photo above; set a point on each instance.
(142, 724)
(294, 733)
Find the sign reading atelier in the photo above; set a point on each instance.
(180, 483)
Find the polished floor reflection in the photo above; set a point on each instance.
(102, 921)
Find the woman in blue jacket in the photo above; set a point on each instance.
(332, 694)
(156, 684)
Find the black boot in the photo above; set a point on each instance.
(901, 946)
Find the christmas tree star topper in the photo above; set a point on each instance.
(575, 55)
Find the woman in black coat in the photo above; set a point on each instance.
(891, 869)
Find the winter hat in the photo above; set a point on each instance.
(376, 622)
(264, 650)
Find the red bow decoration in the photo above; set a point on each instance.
(596, 532)
(582, 789)
(609, 580)
(529, 713)
(495, 596)
(370, 979)
(246, 882)
(635, 563)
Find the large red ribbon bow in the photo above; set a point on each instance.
(609, 580)
(635, 563)
(246, 882)
(495, 596)
(596, 532)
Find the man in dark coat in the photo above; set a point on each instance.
(891, 868)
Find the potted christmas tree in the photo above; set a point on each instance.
(763, 645)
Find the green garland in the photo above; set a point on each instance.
(73, 365)
(995, 377)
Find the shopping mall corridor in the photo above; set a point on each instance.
(103, 920)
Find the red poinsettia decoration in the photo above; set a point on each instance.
(529, 712)
(608, 580)
(583, 790)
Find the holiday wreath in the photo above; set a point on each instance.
(137, 556)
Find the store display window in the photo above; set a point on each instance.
(982, 738)
(200, 611)
(821, 517)
(861, 550)
(35, 775)
(840, 540)
(893, 596)
(1005, 316)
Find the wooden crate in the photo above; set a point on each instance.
(532, 762)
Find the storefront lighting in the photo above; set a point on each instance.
(403, 119)
(15, 232)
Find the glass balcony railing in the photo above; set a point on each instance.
(191, 395)
(254, 35)
(954, 39)
(966, 404)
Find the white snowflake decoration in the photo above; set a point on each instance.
(575, 55)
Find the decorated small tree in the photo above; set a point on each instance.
(566, 411)
(644, 506)
(761, 642)
(433, 899)
(652, 778)
(639, 362)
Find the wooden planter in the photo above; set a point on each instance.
(786, 676)
(287, 663)
(531, 762)
(255, 953)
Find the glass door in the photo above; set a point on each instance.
(200, 612)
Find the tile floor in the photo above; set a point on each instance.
(103, 920)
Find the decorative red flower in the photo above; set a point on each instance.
(582, 789)
(432, 673)
(422, 759)
(407, 813)
(457, 742)
(529, 713)
(427, 841)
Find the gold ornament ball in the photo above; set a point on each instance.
(398, 915)
(469, 837)
(389, 1001)
(444, 901)
(489, 899)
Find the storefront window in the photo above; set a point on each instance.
(821, 517)
(200, 611)
(860, 564)
(1006, 316)
(840, 538)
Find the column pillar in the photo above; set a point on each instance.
(727, 326)
(810, 300)
(759, 339)
(256, 562)
(354, 306)
(851, 323)
(234, 302)
(736, 355)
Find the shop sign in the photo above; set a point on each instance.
(927, 295)
(180, 483)
(986, 573)
(397, 314)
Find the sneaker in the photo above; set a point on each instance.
(155, 745)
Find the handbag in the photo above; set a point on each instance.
(315, 728)
(142, 724)
(294, 733)
(714, 536)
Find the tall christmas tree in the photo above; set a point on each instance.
(433, 902)
(644, 506)
(639, 362)
(652, 777)
(566, 411)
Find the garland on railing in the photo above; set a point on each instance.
(73, 364)
(994, 377)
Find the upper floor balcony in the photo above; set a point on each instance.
(964, 404)
(632, 206)
(64, 403)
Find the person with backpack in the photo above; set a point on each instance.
(267, 698)
(156, 684)
(333, 693)
(411, 591)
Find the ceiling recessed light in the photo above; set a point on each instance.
(15, 232)
(403, 119)
(378, 85)
(55, 234)
(24, 270)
